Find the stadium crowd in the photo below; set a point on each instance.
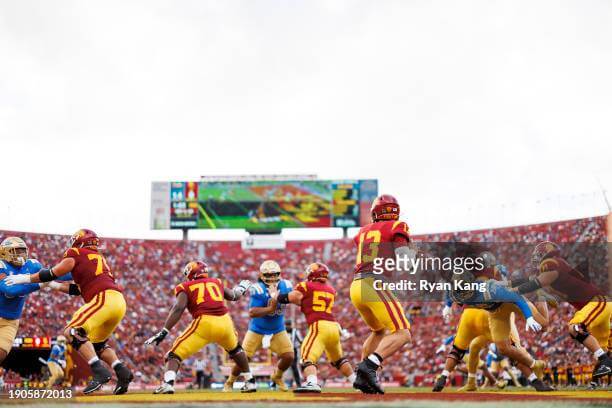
(148, 270)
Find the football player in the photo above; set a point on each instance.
(384, 238)
(590, 325)
(316, 299)
(204, 297)
(14, 261)
(57, 361)
(490, 314)
(104, 308)
(267, 324)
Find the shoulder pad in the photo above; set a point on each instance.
(548, 265)
(400, 227)
(2, 265)
(288, 284)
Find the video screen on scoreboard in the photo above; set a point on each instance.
(262, 205)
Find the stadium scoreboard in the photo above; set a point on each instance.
(261, 205)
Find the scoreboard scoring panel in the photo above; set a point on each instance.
(265, 205)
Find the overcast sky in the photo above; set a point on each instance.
(473, 113)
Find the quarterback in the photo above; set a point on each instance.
(316, 299)
(267, 324)
(204, 297)
(590, 325)
(104, 308)
(386, 237)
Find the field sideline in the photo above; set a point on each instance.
(405, 397)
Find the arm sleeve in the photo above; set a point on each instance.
(18, 290)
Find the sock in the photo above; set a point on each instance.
(93, 360)
(351, 378)
(115, 363)
(312, 378)
(598, 353)
(445, 373)
(376, 359)
(169, 377)
(247, 376)
(532, 377)
(471, 375)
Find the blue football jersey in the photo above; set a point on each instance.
(12, 298)
(57, 354)
(272, 323)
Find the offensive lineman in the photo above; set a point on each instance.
(94, 322)
(386, 237)
(204, 297)
(590, 326)
(316, 298)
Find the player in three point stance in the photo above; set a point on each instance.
(316, 299)
(591, 323)
(384, 238)
(204, 297)
(267, 323)
(93, 323)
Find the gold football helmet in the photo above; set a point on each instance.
(14, 250)
(269, 272)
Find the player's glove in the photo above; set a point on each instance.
(446, 313)
(157, 338)
(533, 325)
(241, 288)
(17, 279)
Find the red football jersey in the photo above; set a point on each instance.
(318, 301)
(570, 284)
(379, 240)
(204, 296)
(91, 272)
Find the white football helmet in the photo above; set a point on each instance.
(269, 272)
(14, 250)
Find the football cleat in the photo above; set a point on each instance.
(366, 379)
(165, 388)
(501, 384)
(101, 376)
(440, 383)
(541, 386)
(603, 367)
(249, 386)
(124, 378)
(278, 384)
(307, 388)
(469, 386)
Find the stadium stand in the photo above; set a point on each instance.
(149, 270)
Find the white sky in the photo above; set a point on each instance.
(470, 112)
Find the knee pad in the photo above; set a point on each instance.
(456, 353)
(100, 347)
(307, 364)
(79, 337)
(171, 355)
(237, 350)
(581, 332)
(339, 363)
